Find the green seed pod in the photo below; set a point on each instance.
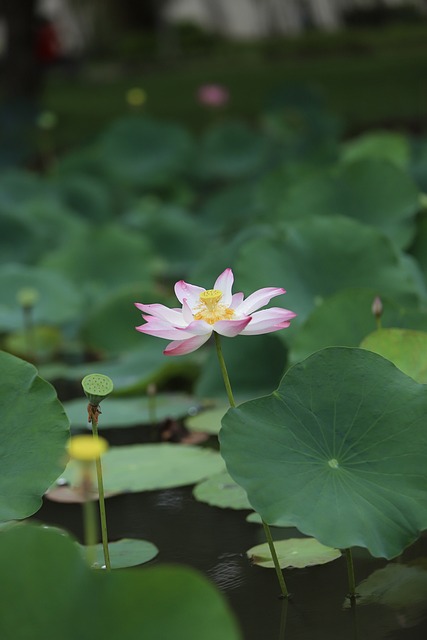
(97, 387)
(27, 297)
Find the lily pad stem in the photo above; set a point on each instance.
(102, 514)
(279, 573)
(350, 573)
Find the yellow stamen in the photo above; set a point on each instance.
(210, 310)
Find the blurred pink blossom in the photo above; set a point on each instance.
(213, 95)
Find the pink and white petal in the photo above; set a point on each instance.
(258, 299)
(181, 347)
(160, 331)
(198, 328)
(236, 300)
(256, 331)
(173, 316)
(189, 292)
(224, 283)
(187, 313)
(231, 328)
(269, 320)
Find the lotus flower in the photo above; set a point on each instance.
(206, 310)
(213, 95)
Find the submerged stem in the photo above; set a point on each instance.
(102, 513)
(279, 573)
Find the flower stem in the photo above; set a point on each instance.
(102, 514)
(350, 573)
(283, 588)
(89, 516)
(224, 370)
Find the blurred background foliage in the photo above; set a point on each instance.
(118, 178)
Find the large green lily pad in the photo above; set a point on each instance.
(106, 258)
(130, 412)
(373, 191)
(232, 150)
(142, 153)
(241, 199)
(173, 232)
(405, 348)
(34, 432)
(338, 451)
(47, 586)
(316, 257)
(293, 553)
(385, 145)
(152, 466)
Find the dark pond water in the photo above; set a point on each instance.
(214, 541)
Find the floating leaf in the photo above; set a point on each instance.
(208, 421)
(221, 491)
(72, 495)
(398, 586)
(294, 553)
(405, 348)
(127, 552)
(47, 586)
(345, 318)
(152, 466)
(34, 434)
(130, 412)
(340, 444)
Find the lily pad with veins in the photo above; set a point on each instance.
(338, 451)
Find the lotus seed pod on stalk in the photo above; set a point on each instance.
(97, 387)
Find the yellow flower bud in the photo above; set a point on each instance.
(86, 448)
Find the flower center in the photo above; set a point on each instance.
(210, 310)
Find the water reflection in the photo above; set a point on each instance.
(400, 587)
(228, 572)
(170, 499)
